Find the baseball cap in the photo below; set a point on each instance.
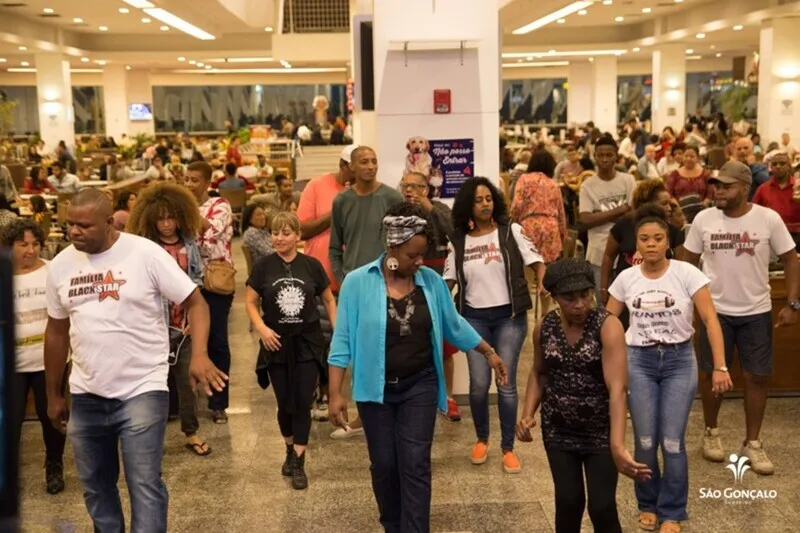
(733, 172)
(347, 152)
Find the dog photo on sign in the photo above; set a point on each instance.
(418, 159)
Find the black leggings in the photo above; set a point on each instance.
(22, 383)
(567, 468)
(299, 394)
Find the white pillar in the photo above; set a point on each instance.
(139, 92)
(54, 94)
(580, 92)
(669, 87)
(363, 121)
(605, 98)
(115, 100)
(779, 80)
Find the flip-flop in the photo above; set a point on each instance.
(197, 448)
(648, 521)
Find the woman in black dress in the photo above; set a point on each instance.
(580, 379)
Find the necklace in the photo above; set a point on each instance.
(404, 321)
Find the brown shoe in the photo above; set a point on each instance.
(219, 416)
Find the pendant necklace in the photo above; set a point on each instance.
(405, 320)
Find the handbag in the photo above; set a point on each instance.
(176, 339)
(219, 277)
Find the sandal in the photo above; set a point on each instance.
(648, 521)
(670, 527)
(197, 448)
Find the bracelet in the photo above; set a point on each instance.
(490, 353)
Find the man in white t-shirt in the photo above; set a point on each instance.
(105, 300)
(735, 241)
(604, 198)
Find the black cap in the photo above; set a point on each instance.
(568, 275)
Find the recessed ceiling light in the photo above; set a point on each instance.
(719, 54)
(607, 2)
(701, 35)
(103, 28)
(23, 48)
(678, 1)
(200, 64)
(529, 58)
(85, 59)
(591, 60)
(268, 28)
(617, 53)
(124, 10)
(636, 49)
(689, 51)
(551, 51)
(49, 10)
(619, 19)
(181, 59)
(647, 10)
(209, 67)
(582, 12)
(192, 62)
(164, 28)
(561, 21)
(100, 62)
(520, 60)
(25, 64)
(738, 27)
(2, 59)
(146, 20)
(713, 47)
(127, 67)
(77, 20)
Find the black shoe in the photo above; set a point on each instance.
(54, 476)
(219, 416)
(286, 469)
(299, 478)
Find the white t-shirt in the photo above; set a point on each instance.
(113, 300)
(599, 195)
(30, 319)
(485, 267)
(661, 310)
(736, 253)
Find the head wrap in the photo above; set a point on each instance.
(401, 229)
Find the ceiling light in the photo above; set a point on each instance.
(619, 19)
(21, 70)
(713, 47)
(209, 67)
(694, 58)
(77, 20)
(647, 10)
(2, 59)
(100, 62)
(49, 10)
(689, 51)
(164, 28)
(85, 59)
(568, 53)
(738, 27)
(701, 35)
(607, 2)
(248, 59)
(719, 54)
(103, 28)
(181, 59)
(636, 48)
(139, 4)
(618, 53)
(529, 58)
(23, 48)
(268, 29)
(552, 17)
(127, 67)
(25, 64)
(551, 52)
(200, 64)
(146, 20)
(538, 64)
(179, 24)
(582, 12)
(192, 62)
(678, 1)
(124, 10)
(591, 60)
(561, 21)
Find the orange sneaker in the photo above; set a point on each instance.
(480, 452)
(511, 463)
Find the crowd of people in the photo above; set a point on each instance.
(370, 293)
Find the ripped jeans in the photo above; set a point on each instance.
(662, 382)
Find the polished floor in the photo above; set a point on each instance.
(239, 488)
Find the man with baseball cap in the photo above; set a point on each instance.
(735, 241)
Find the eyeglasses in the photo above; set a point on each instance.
(412, 186)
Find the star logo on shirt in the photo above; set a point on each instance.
(493, 254)
(109, 287)
(746, 245)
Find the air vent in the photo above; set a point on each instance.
(49, 15)
(12, 4)
(316, 16)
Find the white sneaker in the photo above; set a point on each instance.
(759, 462)
(346, 432)
(319, 411)
(712, 446)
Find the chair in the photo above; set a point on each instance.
(248, 258)
(238, 200)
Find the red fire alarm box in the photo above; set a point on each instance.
(441, 101)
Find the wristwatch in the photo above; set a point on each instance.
(794, 305)
(721, 369)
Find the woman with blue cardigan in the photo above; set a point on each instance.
(394, 315)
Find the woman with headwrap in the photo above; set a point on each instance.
(394, 315)
(287, 284)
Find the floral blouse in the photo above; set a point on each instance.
(259, 241)
(215, 243)
(539, 208)
(679, 186)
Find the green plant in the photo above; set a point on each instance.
(244, 135)
(142, 139)
(733, 100)
(7, 108)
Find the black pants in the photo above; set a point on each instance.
(21, 384)
(399, 435)
(299, 394)
(219, 351)
(568, 469)
(182, 397)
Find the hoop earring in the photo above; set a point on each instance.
(392, 264)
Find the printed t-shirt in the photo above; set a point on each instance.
(177, 250)
(735, 254)
(30, 319)
(661, 310)
(599, 195)
(485, 267)
(114, 303)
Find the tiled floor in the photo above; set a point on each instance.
(239, 487)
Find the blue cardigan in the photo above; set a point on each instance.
(360, 334)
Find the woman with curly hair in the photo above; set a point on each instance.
(167, 215)
(487, 260)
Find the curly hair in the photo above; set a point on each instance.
(406, 209)
(15, 232)
(162, 199)
(647, 192)
(651, 214)
(465, 201)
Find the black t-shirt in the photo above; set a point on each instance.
(289, 294)
(624, 232)
(410, 353)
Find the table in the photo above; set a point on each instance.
(46, 197)
(94, 183)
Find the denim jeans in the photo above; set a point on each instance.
(507, 335)
(662, 382)
(97, 426)
(219, 351)
(399, 435)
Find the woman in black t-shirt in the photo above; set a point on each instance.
(287, 284)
